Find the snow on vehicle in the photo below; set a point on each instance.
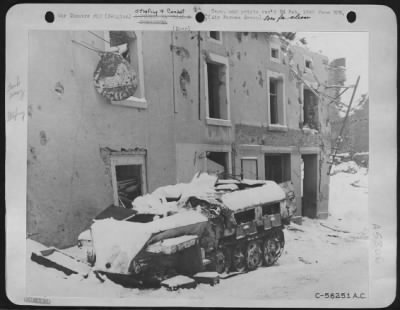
(205, 225)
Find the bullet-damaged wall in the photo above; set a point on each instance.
(194, 135)
(250, 63)
(70, 126)
(73, 130)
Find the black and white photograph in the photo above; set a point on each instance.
(202, 165)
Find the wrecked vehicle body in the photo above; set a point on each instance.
(206, 225)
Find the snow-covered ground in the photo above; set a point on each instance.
(321, 256)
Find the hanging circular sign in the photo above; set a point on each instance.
(114, 77)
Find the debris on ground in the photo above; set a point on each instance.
(304, 261)
(292, 228)
(211, 278)
(177, 282)
(333, 236)
(334, 229)
(57, 259)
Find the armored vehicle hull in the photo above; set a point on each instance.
(206, 225)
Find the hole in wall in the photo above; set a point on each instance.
(59, 89)
(184, 80)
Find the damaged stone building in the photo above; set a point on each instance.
(242, 104)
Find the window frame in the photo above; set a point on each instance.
(211, 39)
(127, 159)
(279, 76)
(275, 46)
(249, 158)
(219, 60)
(285, 166)
(133, 102)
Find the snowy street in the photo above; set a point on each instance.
(321, 256)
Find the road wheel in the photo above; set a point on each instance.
(270, 250)
(228, 259)
(254, 257)
(280, 239)
(239, 258)
(220, 261)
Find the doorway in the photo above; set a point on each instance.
(309, 176)
(277, 167)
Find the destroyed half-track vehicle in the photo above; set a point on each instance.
(206, 225)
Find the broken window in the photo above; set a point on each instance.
(128, 178)
(129, 182)
(128, 44)
(216, 35)
(217, 91)
(277, 167)
(310, 110)
(276, 101)
(120, 41)
(218, 163)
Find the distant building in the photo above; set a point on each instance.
(229, 102)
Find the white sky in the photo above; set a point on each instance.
(351, 45)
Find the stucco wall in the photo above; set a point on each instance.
(71, 131)
(193, 135)
(68, 181)
(250, 62)
(190, 119)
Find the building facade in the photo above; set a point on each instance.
(236, 103)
